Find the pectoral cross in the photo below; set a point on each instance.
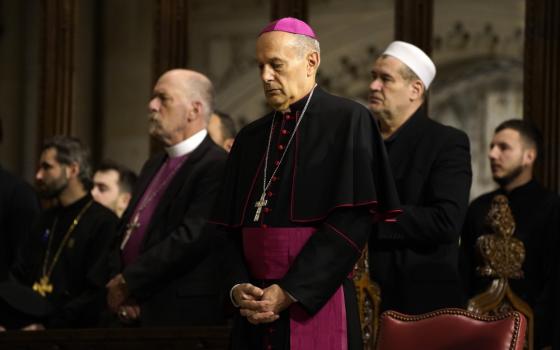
(43, 286)
(130, 227)
(259, 205)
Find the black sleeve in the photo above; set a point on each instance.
(546, 306)
(21, 209)
(29, 259)
(235, 269)
(328, 257)
(83, 309)
(552, 329)
(446, 192)
(182, 249)
(467, 251)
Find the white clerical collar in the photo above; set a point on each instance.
(186, 146)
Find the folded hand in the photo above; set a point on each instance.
(117, 293)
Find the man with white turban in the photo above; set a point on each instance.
(414, 261)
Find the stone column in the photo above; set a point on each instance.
(171, 47)
(542, 83)
(414, 22)
(57, 61)
(289, 8)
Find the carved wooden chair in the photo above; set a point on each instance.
(502, 256)
(451, 329)
(369, 300)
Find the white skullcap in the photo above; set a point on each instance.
(415, 59)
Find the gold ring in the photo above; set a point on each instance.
(123, 313)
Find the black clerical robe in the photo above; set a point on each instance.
(415, 260)
(19, 207)
(80, 275)
(537, 224)
(333, 178)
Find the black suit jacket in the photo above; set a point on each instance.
(415, 260)
(176, 276)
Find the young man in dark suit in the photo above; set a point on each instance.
(166, 278)
(415, 260)
(513, 153)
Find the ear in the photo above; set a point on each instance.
(197, 109)
(123, 200)
(228, 144)
(72, 170)
(313, 61)
(416, 89)
(529, 156)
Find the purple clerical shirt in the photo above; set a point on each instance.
(146, 207)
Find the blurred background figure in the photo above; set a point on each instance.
(515, 150)
(221, 128)
(112, 186)
(19, 207)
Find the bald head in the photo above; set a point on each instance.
(181, 105)
(195, 86)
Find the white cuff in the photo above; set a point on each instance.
(291, 297)
(231, 295)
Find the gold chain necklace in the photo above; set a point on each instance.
(44, 286)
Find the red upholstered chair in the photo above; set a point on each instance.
(451, 329)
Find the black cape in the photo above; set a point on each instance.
(340, 161)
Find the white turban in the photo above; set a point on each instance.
(413, 58)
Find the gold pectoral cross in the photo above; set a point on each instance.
(130, 227)
(43, 286)
(259, 205)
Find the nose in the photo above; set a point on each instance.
(94, 192)
(375, 85)
(154, 104)
(39, 175)
(266, 74)
(493, 152)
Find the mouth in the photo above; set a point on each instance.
(375, 99)
(153, 120)
(495, 167)
(40, 186)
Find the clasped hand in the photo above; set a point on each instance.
(261, 305)
(120, 301)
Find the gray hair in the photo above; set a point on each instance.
(198, 87)
(71, 150)
(305, 44)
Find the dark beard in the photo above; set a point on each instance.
(53, 190)
(509, 177)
